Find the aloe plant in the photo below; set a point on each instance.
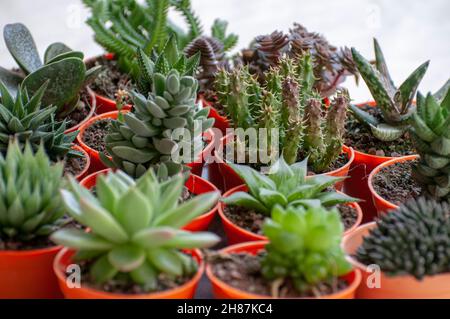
(62, 67)
(135, 227)
(284, 185)
(395, 104)
(430, 134)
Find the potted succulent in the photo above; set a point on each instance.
(30, 210)
(28, 119)
(409, 246)
(244, 208)
(378, 131)
(397, 180)
(135, 247)
(302, 259)
(291, 112)
(61, 67)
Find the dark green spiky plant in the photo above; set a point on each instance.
(430, 134)
(413, 240)
(288, 103)
(395, 104)
(304, 248)
(30, 205)
(135, 228)
(123, 26)
(166, 126)
(62, 68)
(28, 120)
(285, 186)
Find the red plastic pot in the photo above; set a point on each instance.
(222, 290)
(28, 274)
(236, 234)
(64, 259)
(220, 122)
(382, 205)
(194, 184)
(231, 179)
(399, 287)
(86, 168)
(90, 114)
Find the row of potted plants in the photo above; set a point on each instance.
(132, 218)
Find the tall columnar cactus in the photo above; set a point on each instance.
(287, 102)
(62, 68)
(135, 228)
(26, 119)
(413, 240)
(30, 205)
(165, 127)
(430, 134)
(395, 104)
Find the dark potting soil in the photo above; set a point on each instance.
(94, 136)
(360, 138)
(211, 97)
(81, 112)
(340, 161)
(243, 271)
(74, 165)
(111, 79)
(253, 221)
(122, 283)
(396, 184)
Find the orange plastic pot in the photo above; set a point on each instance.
(231, 179)
(28, 274)
(64, 259)
(237, 235)
(399, 287)
(382, 205)
(220, 122)
(222, 290)
(90, 114)
(86, 168)
(195, 184)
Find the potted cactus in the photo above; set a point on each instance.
(302, 258)
(135, 247)
(244, 208)
(288, 108)
(62, 68)
(30, 210)
(410, 247)
(426, 174)
(378, 131)
(28, 119)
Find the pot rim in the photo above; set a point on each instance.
(30, 252)
(93, 105)
(88, 160)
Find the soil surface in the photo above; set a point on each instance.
(110, 80)
(253, 221)
(81, 112)
(94, 136)
(243, 271)
(360, 138)
(74, 165)
(122, 283)
(396, 184)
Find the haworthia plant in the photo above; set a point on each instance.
(395, 104)
(63, 69)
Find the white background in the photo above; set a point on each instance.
(410, 31)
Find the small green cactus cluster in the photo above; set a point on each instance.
(413, 240)
(26, 119)
(288, 103)
(30, 205)
(63, 69)
(395, 104)
(304, 247)
(166, 125)
(135, 228)
(430, 134)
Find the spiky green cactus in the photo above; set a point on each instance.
(396, 104)
(430, 134)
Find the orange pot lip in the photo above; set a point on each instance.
(91, 113)
(86, 156)
(154, 295)
(30, 253)
(246, 295)
(345, 149)
(377, 169)
(244, 188)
